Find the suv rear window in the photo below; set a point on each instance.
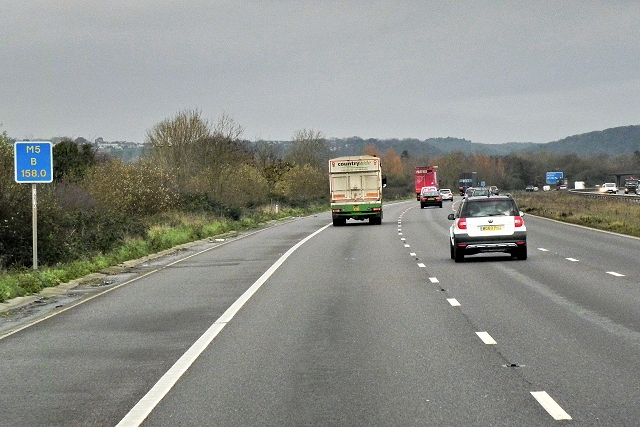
(489, 207)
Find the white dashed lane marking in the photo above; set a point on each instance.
(486, 338)
(454, 302)
(550, 405)
(412, 254)
(421, 265)
(613, 273)
(434, 280)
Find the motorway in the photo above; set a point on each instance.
(306, 324)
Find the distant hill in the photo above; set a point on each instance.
(614, 141)
(429, 147)
(449, 145)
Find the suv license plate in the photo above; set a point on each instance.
(491, 228)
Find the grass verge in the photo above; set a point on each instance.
(619, 216)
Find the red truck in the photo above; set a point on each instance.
(425, 176)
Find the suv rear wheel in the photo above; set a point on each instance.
(521, 253)
(458, 254)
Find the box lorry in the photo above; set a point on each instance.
(466, 180)
(355, 185)
(425, 176)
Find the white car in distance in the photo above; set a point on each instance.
(446, 194)
(609, 187)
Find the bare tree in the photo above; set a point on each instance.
(172, 141)
(309, 147)
(227, 128)
(183, 129)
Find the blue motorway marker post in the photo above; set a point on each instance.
(33, 165)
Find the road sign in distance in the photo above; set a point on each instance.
(553, 177)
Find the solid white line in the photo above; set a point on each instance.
(421, 265)
(486, 338)
(543, 249)
(143, 408)
(550, 405)
(434, 280)
(613, 273)
(572, 259)
(454, 302)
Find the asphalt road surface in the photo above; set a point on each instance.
(306, 324)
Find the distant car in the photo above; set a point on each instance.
(487, 224)
(529, 188)
(430, 198)
(609, 187)
(468, 192)
(446, 194)
(430, 188)
(562, 187)
(494, 190)
(481, 191)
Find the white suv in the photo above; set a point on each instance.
(487, 224)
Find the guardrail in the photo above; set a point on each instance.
(593, 193)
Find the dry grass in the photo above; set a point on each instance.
(619, 216)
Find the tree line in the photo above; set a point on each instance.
(193, 165)
(197, 166)
(509, 172)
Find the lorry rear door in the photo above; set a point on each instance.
(351, 187)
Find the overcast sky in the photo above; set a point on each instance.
(488, 71)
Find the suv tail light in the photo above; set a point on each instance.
(462, 223)
(518, 221)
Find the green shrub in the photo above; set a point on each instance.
(139, 189)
